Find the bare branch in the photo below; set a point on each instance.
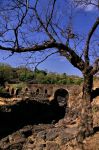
(30, 24)
(43, 46)
(8, 56)
(41, 61)
(41, 22)
(71, 55)
(50, 18)
(55, 33)
(86, 49)
(64, 50)
(20, 24)
(95, 67)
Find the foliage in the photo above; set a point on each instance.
(23, 74)
(6, 73)
(19, 85)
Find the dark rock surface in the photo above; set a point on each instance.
(30, 124)
(27, 112)
(38, 137)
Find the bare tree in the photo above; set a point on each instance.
(46, 27)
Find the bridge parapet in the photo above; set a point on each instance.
(45, 91)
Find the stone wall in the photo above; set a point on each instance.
(45, 91)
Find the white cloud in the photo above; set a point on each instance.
(90, 8)
(85, 5)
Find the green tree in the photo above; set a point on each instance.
(6, 73)
(24, 74)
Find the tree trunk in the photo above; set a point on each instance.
(86, 122)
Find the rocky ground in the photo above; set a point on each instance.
(55, 134)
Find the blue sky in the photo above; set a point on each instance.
(54, 63)
(82, 23)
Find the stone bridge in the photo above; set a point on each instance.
(46, 91)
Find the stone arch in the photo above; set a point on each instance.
(61, 96)
(8, 90)
(95, 93)
(17, 92)
(26, 89)
(12, 91)
(46, 91)
(37, 91)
